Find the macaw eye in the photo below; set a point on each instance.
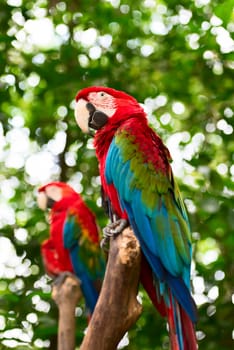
(102, 94)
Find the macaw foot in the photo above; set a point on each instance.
(111, 230)
(115, 228)
(60, 279)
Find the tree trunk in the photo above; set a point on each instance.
(117, 308)
(66, 296)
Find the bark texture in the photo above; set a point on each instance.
(66, 296)
(117, 308)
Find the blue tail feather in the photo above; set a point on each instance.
(178, 325)
(183, 296)
(176, 284)
(87, 284)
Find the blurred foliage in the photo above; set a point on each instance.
(177, 58)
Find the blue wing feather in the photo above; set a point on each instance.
(71, 235)
(154, 227)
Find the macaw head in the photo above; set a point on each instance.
(52, 193)
(97, 106)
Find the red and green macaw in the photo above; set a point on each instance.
(138, 183)
(73, 245)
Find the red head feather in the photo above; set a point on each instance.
(66, 189)
(115, 93)
(122, 105)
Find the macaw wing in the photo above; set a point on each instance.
(52, 263)
(155, 211)
(77, 237)
(86, 260)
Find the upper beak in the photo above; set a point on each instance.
(42, 200)
(82, 115)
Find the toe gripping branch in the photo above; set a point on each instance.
(111, 230)
(60, 279)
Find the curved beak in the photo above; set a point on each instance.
(42, 200)
(82, 115)
(47, 198)
(87, 116)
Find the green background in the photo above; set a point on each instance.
(176, 57)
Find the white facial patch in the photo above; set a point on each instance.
(54, 193)
(103, 102)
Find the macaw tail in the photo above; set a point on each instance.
(181, 329)
(89, 291)
(147, 280)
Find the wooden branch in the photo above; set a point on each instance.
(66, 296)
(117, 308)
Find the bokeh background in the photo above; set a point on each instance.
(176, 58)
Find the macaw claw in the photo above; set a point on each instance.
(111, 230)
(60, 279)
(115, 228)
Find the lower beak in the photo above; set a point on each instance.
(87, 116)
(97, 119)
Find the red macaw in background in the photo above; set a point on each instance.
(137, 180)
(73, 245)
